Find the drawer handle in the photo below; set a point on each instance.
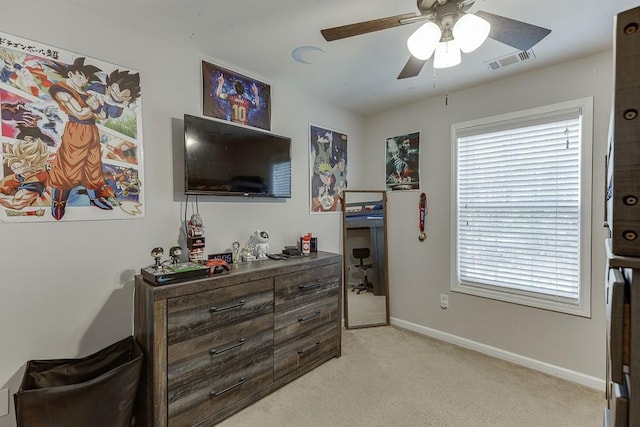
(215, 351)
(312, 285)
(215, 309)
(310, 349)
(218, 393)
(306, 319)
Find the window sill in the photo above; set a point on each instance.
(525, 300)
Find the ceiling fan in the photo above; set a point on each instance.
(439, 33)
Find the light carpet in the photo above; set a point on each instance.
(389, 376)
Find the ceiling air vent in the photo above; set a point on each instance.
(512, 58)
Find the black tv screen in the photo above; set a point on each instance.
(223, 159)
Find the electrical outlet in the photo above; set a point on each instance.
(4, 402)
(444, 301)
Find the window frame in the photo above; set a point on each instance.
(514, 120)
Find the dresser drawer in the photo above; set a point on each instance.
(190, 404)
(194, 361)
(198, 314)
(619, 405)
(306, 351)
(303, 287)
(296, 322)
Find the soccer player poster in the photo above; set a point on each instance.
(403, 162)
(236, 98)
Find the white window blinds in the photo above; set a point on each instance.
(518, 206)
(281, 176)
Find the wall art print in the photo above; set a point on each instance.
(403, 162)
(236, 98)
(327, 168)
(71, 136)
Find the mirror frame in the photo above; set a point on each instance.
(345, 259)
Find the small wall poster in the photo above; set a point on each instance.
(327, 168)
(236, 98)
(403, 162)
(71, 142)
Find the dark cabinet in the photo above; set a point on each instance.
(213, 346)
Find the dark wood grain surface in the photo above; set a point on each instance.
(214, 346)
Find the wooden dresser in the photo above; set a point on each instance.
(213, 346)
(622, 216)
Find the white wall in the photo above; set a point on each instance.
(419, 272)
(66, 288)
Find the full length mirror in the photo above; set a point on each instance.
(364, 237)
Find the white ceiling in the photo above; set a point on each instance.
(357, 73)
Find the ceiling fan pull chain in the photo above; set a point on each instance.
(434, 78)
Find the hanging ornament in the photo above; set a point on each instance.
(423, 209)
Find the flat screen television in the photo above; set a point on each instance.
(223, 159)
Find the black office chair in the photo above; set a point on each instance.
(364, 285)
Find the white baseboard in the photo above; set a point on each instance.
(576, 377)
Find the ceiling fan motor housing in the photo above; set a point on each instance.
(446, 17)
(444, 13)
(427, 7)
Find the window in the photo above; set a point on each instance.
(522, 226)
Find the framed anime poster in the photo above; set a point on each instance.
(403, 162)
(236, 98)
(71, 142)
(327, 168)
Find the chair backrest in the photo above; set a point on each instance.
(361, 253)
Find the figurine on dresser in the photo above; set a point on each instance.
(195, 226)
(261, 239)
(156, 254)
(246, 254)
(195, 239)
(175, 252)
(257, 246)
(235, 252)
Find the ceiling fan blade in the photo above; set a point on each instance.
(344, 31)
(412, 68)
(514, 33)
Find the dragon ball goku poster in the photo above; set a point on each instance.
(71, 136)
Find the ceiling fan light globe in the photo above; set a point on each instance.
(447, 54)
(422, 43)
(470, 31)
